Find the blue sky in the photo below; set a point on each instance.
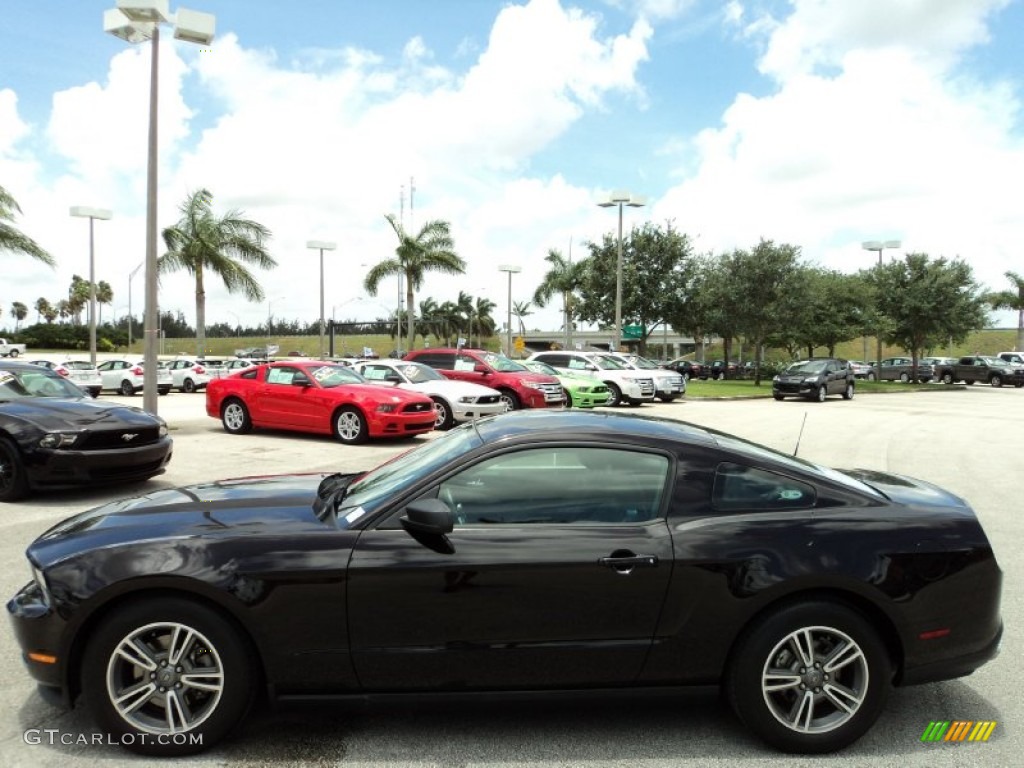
(821, 123)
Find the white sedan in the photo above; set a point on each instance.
(454, 401)
(126, 377)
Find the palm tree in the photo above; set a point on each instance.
(1012, 299)
(202, 242)
(104, 295)
(431, 250)
(42, 308)
(521, 309)
(12, 239)
(564, 277)
(20, 312)
(485, 323)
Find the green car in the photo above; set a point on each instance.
(580, 391)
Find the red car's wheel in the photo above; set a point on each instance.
(350, 426)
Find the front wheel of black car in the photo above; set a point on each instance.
(13, 481)
(777, 396)
(848, 392)
(996, 381)
(810, 678)
(167, 677)
(821, 394)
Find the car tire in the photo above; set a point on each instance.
(667, 398)
(13, 479)
(210, 675)
(126, 388)
(350, 426)
(14, 353)
(777, 396)
(164, 391)
(614, 394)
(947, 378)
(871, 376)
(566, 399)
(235, 417)
(188, 386)
(904, 378)
(848, 392)
(511, 400)
(996, 381)
(821, 393)
(969, 382)
(837, 697)
(94, 392)
(443, 419)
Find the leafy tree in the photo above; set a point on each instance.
(104, 295)
(63, 309)
(20, 312)
(485, 323)
(1012, 299)
(925, 302)
(432, 249)
(78, 297)
(824, 308)
(202, 242)
(11, 239)
(658, 268)
(41, 306)
(562, 278)
(50, 313)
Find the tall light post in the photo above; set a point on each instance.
(321, 245)
(136, 21)
(879, 246)
(91, 214)
(131, 275)
(620, 198)
(511, 269)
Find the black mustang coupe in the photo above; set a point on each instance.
(531, 552)
(54, 435)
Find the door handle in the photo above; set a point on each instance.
(624, 563)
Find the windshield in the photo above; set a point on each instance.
(610, 363)
(807, 366)
(335, 375)
(41, 383)
(375, 488)
(502, 363)
(643, 362)
(418, 372)
(538, 367)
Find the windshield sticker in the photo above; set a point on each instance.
(354, 515)
(5, 376)
(323, 373)
(791, 495)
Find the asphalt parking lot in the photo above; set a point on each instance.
(968, 441)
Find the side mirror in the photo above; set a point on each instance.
(393, 378)
(430, 517)
(481, 368)
(301, 381)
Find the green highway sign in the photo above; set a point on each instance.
(632, 331)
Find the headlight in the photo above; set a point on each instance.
(58, 440)
(775, 378)
(162, 432)
(40, 580)
(534, 384)
(467, 399)
(811, 380)
(583, 390)
(386, 408)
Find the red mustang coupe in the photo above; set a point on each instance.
(312, 396)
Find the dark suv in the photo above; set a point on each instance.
(815, 379)
(519, 386)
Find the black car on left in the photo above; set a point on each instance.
(53, 434)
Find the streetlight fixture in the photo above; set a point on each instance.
(321, 245)
(511, 269)
(620, 198)
(136, 21)
(91, 214)
(879, 246)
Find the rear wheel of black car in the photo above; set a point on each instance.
(13, 480)
(996, 381)
(811, 678)
(235, 417)
(127, 389)
(350, 426)
(443, 418)
(167, 676)
(848, 392)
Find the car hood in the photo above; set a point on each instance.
(907, 490)
(53, 414)
(790, 377)
(578, 378)
(250, 506)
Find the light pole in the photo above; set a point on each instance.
(879, 246)
(321, 245)
(511, 269)
(91, 214)
(131, 275)
(620, 198)
(136, 21)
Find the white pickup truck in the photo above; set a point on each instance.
(12, 350)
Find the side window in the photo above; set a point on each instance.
(375, 372)
(559, 486)
(283, 375)
(577, 363)
(465, 363)
(443, 361)
(249, 374)
(739, 487)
